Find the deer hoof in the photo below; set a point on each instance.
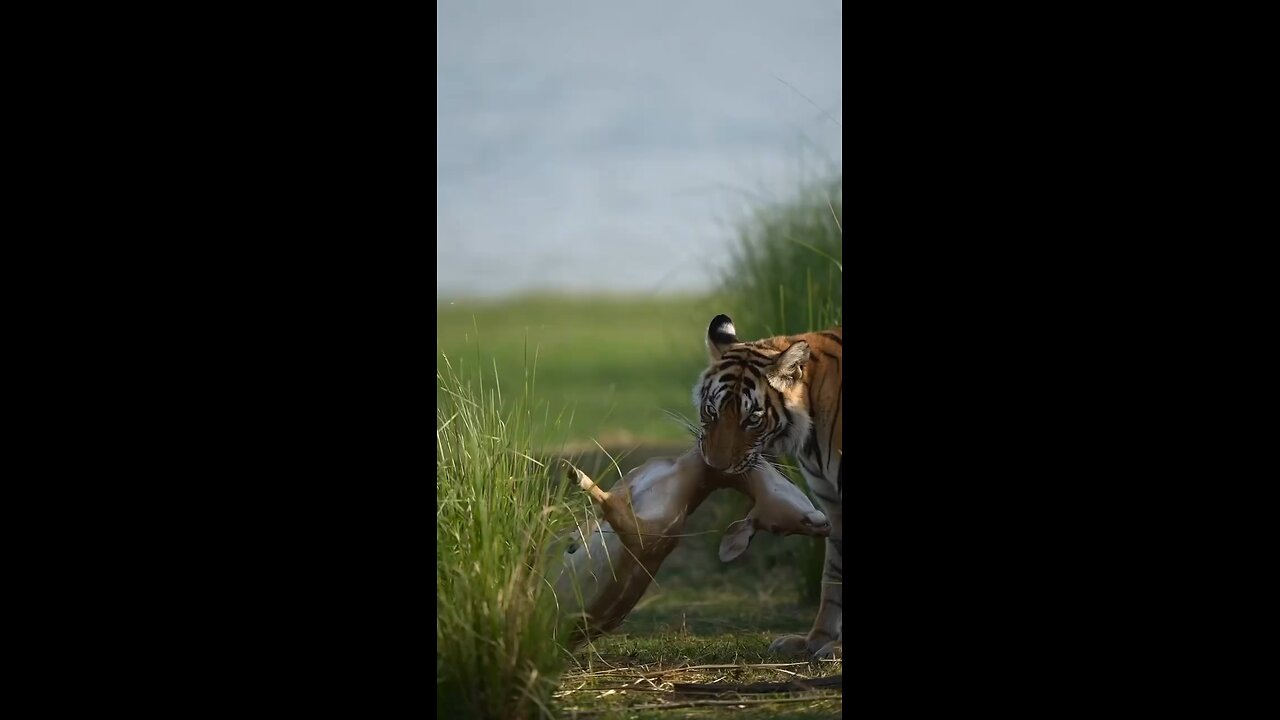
(832, 650)
(571, 473)
(790, 645)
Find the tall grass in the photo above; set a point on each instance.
(497, 622)
(784, 275)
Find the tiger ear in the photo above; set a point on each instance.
(789, 367)
(720, 336)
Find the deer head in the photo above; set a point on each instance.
(780, 508)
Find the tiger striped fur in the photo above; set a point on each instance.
(782, 395)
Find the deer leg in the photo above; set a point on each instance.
(586, 483)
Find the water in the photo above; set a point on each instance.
(607, 146)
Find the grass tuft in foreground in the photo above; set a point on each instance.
(496, 509)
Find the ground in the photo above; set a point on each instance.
(704, 621)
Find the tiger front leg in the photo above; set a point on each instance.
(824, 640)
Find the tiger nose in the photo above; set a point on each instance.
(717, 462)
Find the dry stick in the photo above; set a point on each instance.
(629, 687)
(720, 667)
(793, 674)
(697, 703)
(716, 688)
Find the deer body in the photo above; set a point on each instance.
(609, 565)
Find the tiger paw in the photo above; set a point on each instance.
(832, 650)
(790, 645)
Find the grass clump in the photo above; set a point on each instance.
(784, 273)
(497, 622)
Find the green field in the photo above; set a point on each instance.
(615, 362)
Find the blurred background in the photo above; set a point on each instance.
(610, 176)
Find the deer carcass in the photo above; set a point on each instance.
(610, 562)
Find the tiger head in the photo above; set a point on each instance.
(751, 397)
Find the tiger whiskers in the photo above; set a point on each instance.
(773, 461)
(686, 423)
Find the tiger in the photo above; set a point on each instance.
(782, 395)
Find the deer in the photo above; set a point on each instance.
(608, 565)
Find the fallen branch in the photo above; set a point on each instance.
(701, 703)
(756, 688)
(739, 666)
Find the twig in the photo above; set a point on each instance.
(699, 703)
(721, 667)
(718, 688)
(806, 97)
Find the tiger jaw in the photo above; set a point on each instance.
(741, 466)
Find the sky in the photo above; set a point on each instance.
(610, 146)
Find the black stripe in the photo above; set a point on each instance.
(773, 418)
(832, 336)
(837, 603)
(804, 465)
(814, 449)
(759, 359)
(813, 425)
(831, 437)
